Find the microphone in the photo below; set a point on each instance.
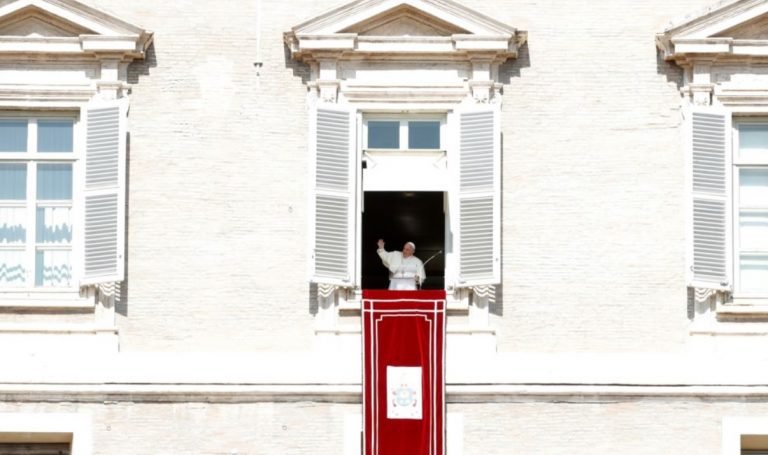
(432, 257)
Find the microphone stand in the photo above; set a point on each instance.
(424, 264)
(432, 257)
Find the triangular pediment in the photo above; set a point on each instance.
(754, 29)
(29, 25)
(34, 22)
(736, 27)
(444, 16)
(404, 27)
(404, 20)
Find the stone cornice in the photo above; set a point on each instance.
(716, 18)
(701, 35)
(310, 48)
(105, 36)
(332, 32)
(466, 46)
(359, 11)
(352, 393)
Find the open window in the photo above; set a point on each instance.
(413, 150)
(399, 217)
(445, 198)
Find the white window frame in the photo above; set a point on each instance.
(70, 293)
(404, 118)
(74, 428)
(737, 428)
(737, 164)
(482, 268)
(365, 153)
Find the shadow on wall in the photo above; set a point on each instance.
(496, 304)
(299, 69)
(313, 302)
(139, 68)
(512, 67)
(136, 69)
(670, 70)
(121, 296)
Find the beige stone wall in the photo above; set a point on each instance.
(634, 427)
(594, 227)
(593, 243)
(126, 428)
(593, 235)
(217, 201)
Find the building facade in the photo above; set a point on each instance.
(191, 196)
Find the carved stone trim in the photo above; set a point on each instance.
(461, 43)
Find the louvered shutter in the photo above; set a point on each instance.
(333, 147)
(709, 252)
(478, 187)
(104, 192)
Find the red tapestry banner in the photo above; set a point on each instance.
(404, 372)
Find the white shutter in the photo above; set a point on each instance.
(478, 187)
(104, 192)
(332, 233)
(709, 252)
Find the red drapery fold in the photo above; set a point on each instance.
(403, 332)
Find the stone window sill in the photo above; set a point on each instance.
(743, 305)
(45, 299)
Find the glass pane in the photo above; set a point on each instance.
(13, 181)
(424, 135)
(753, 188)
(753, 231)
(53, 268)
(753, 142)
(383, 134)
(54, 182)
(753, 273)
(13, 225)
(12, 271)
(13, 135)
(54, 225)
(54, 135)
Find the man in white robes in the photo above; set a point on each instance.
(406, 271)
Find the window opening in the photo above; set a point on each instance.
(399, 217)
(750, 175)
(413, 133)
(36, 202)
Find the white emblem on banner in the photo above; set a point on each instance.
(404, 392)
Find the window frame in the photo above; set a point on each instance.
(738, 164)
(403, 118)
(735, 429)
(64, 295)
(347, 156)
(75, 428)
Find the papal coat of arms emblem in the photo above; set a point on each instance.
(404, 392)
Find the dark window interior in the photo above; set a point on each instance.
(399, 217)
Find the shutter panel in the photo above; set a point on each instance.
(709, 260)
(104, 192)
(478, 196)
(333, 148)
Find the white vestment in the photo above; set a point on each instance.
(404, 273)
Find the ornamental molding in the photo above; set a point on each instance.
(733, 30)
(728, 38)
(67, 28)
(408, 28)
(69, 52)
(437, 34)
